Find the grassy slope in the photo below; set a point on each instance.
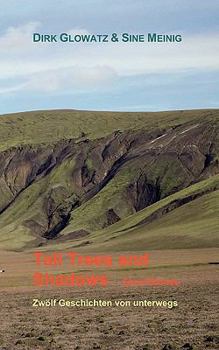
(29, 204)
(177, 229)
(86, 215)
(92, 215)
(50, 126)
(193, 225)
(39, 127)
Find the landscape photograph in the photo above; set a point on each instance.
(109, 177)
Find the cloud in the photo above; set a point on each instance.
(75, 78)
(17, 39)
(79, 79)
(11, 89)
(62, 67)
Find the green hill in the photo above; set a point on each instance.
(187, 219)
(109, 180)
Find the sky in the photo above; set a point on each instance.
(109, 76)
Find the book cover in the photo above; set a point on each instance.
(109, 175)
